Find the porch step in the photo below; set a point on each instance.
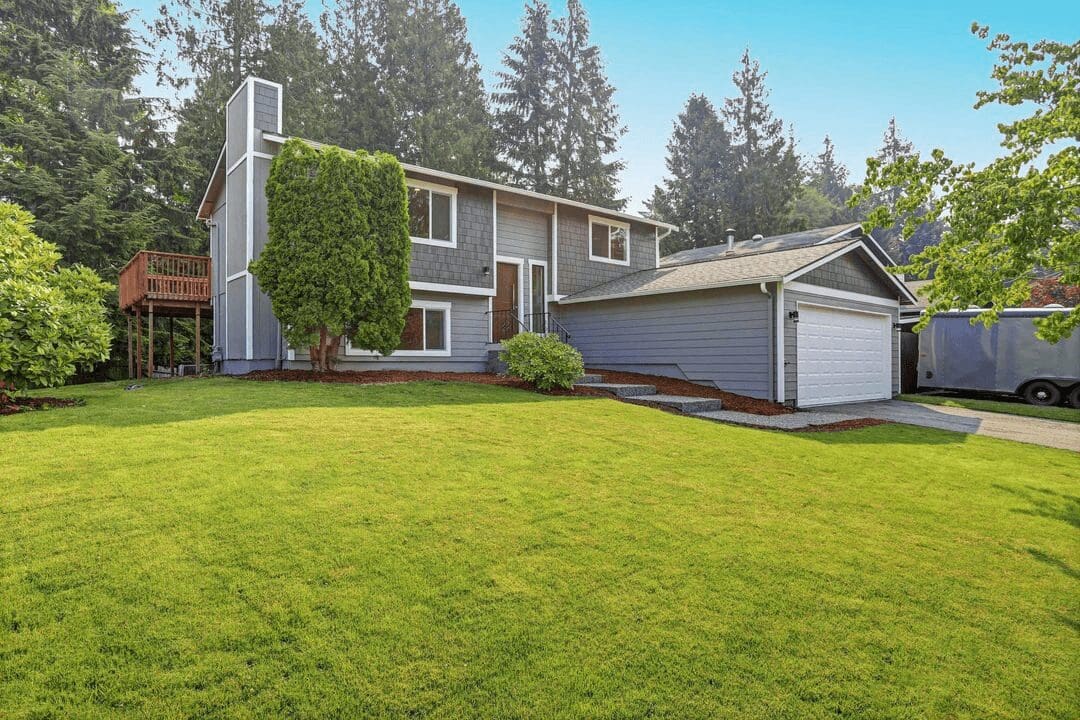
(589, 380)
(682, 403)
(622, 390)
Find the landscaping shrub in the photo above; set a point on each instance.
(542, 360)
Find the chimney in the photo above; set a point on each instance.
(730, 239)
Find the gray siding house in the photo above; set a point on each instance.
(807, 318)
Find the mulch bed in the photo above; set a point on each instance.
(667, 386)
(673, 386)
(13, 405)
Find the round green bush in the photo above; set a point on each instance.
(542, 360)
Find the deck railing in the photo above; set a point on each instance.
(164, 276)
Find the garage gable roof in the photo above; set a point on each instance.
(725, 272)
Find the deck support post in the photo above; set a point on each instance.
(150, 328)
(138, 341)
(198, 337)
(172, 363)
(131, 357)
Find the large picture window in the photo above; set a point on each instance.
(609, 241)
(427, 332)
(432, 213)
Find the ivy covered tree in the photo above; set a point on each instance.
(337, 260)
(693, 193)
(52, 320)
(590, 128)
(1012, 220)
(527, 118)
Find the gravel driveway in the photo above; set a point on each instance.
(1051, 433)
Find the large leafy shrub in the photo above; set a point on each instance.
(337, 259)
(542, 360)
(52, 320)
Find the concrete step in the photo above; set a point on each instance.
(622, 390)
(682, 403)
(589, 379)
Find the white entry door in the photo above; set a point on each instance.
(843, 356)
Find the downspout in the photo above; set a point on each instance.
(764, 287)
(660, 237)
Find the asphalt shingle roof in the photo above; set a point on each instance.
(732, 269)
(769, 244)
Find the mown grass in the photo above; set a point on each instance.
(222, 548)
(1066, 414)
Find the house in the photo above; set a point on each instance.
(806, 319)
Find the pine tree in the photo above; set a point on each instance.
(830, 176)
(693, 193)
(589, 129)
(894, 147)
(767, 172)
(527, 119)
(409, 83)
(81, 150)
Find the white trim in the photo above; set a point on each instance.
(841, 294)
(544, 264)
(865, 235)
(442, 305)
(249, 223)
(840, 234)
(442, 190)
(781, 374)
(555, 251)
(656, 235)
(264, 156)
(220, 160)
(844, 251)
(668, 291)
(506, 188)
(879, 247)
(236, 276)
(494, 233)
(611, 224)
(520, 283)
(452, 289)
(239, 161)
(840, 308)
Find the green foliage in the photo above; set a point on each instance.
(52, 320)
(589, 127)
(406, 81)
(699, 172)
(1013, 219)
(542, 360)
(337, 259)
(527, 120)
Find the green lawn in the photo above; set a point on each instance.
(224, 548)
(1010, 408)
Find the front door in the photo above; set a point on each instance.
(504, 306)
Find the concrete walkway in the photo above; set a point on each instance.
(1051, 433)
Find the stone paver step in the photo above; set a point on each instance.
(682, 403)
(589, 379)
(622, 390)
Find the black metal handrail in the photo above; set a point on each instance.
(505, 324)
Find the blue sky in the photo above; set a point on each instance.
(842, 68)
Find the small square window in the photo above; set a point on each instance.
(431, 215)
(609, 241)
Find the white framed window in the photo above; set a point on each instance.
(426, 333)
(609, 240)
(432, 213)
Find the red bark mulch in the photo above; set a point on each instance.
(13, 405)
(673, 386)
(846, 425)
(382, 377)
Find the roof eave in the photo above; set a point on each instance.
(668, 291)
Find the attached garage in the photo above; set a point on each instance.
(843, 355)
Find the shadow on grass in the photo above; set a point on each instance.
(888, 434)
(1046, 503)
(170, 401)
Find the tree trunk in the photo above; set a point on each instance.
(322, 349)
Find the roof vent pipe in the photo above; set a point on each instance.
(730, 238)
(758, 238)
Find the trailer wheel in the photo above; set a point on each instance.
(1042, 392)
(1074, 397)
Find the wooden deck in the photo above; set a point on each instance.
(167, 285)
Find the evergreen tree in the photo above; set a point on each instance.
(693, 193)
(829, 176)
(527, 119)
(589, 129)
(409, 83)
(894, 147)
(78, 147)
(767, 172)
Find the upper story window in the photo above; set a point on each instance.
(609, 240)
(432, 213)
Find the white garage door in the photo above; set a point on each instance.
(843, 356)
